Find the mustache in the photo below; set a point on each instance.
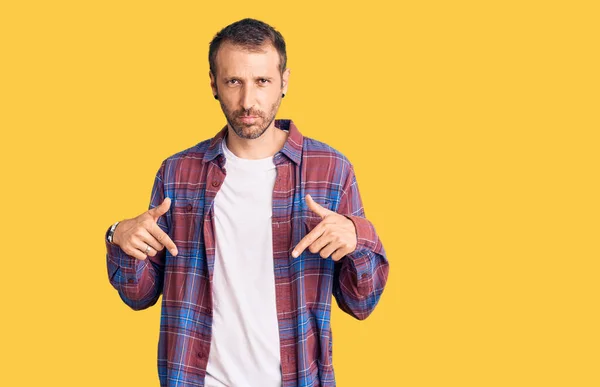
(248, 114)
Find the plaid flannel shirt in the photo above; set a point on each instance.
(303, 285)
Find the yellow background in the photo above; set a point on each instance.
(473, 128)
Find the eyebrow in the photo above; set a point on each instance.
(259, 77)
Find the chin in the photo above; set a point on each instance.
(250, 134)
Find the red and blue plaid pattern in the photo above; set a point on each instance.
(304, 285)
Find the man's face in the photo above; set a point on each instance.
(249, 86)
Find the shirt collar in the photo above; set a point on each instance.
(292, 147)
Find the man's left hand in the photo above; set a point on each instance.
(335, 235)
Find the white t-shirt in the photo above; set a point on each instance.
(245, 348)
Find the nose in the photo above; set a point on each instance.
(247, 97)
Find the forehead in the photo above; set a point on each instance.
(236, 60)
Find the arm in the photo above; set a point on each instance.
(139, 282)
(359, 277)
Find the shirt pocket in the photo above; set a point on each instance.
(312, 219)
(186, 224)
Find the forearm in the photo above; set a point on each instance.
(360, 277)
(138, 282)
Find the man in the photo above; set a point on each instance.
(248, 235)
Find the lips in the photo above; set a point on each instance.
(248, 118)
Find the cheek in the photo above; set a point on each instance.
(226, 106)
(268, 96)
(274, 105)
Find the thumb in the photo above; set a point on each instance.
(161, 209)
(316, 207)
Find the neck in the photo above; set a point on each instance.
(271, 142)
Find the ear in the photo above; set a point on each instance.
(284, 80)
(213, 82)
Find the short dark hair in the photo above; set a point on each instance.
(250, 34)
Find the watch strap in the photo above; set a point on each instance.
(111, 232)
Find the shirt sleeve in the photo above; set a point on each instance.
(359, 277)
(139, 282)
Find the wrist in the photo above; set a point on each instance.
(111, 235)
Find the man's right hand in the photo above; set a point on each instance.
(136, 234)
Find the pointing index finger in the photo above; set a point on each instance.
(307, 240)
(163, 239)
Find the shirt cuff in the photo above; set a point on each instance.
(366, 237)
(366, 241)
(117, 259)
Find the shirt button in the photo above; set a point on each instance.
(188, 207)
(216, 183)
(363, 276)
(130, 281)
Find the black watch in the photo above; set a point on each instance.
(111, 232)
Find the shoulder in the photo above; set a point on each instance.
(325, 166)
(190, 157)
(193, 152)
(318, 152)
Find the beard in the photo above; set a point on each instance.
(250, 130)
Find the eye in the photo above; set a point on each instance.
(231, 81)
(263, 81)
